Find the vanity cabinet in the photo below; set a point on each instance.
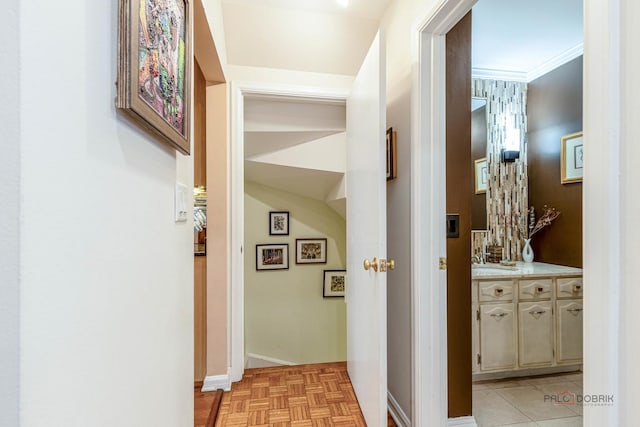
(497, 337)
(569, 311)
(535, 333)
(526, 324)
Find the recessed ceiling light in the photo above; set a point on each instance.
(343, 3)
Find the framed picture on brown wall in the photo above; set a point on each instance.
(154, 67)
(482, 175)
(571, 158)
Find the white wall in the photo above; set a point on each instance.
(399, 24)
(9, 215)
(286, 316)
(107, 276)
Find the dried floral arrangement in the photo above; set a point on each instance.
(548, 215)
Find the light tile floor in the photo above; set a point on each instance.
(529, 402)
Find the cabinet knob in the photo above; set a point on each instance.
(499, 292)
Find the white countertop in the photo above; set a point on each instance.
(521, 270)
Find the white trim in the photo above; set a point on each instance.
(605, 223)
(428, 283)
(555, 62)
(270, 360)
(482, 376)
(396, 412)
(528, 76)
(236, 176)
(236, 173)
(491, 74)
(462, 421)
(215, 382)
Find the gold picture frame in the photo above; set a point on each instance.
(482, 175)
(155, 67)
(571, 158)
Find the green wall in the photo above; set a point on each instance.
(286, 316)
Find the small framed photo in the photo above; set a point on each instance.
(392, 163)
(272, 257)
(311, 251)
(571, 158)
(279, 223)
(334, 283)
(482, 175)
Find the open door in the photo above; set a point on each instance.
(367, 237)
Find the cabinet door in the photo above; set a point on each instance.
(569, 324)
(497, 337)
(535, 333)
(475, 347)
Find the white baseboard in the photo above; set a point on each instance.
(396, 412)
(215, 382)
(462, 421)
(259, 361)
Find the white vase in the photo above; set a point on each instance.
(527, 251)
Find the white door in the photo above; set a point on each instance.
(367, 237)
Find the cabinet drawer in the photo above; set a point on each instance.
(535, 289)
(495, 290)
(569, 287)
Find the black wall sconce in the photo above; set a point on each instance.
(510, 156)
(512, 142)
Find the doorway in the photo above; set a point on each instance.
(428, 150)
(294, 231)
(527, 343)
(365, 292)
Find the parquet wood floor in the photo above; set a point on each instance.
(306, 395)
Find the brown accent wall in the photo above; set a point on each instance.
(459, 186)
(555, 109)
(478, 151)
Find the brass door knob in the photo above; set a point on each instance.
(369, 264)
(391, 264)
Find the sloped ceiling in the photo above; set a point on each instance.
(299, 147)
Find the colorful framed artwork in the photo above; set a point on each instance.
(272, 257)
(482, 175)
(311, 251)
(392, 163)
(334, 283)
(571, 158)
(279, 223)
(154, 67)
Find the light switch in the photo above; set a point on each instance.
(181, 202)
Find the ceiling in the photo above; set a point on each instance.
(302, 35)
(523, 39)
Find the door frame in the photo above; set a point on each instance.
(604, 28)
(235, 288)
